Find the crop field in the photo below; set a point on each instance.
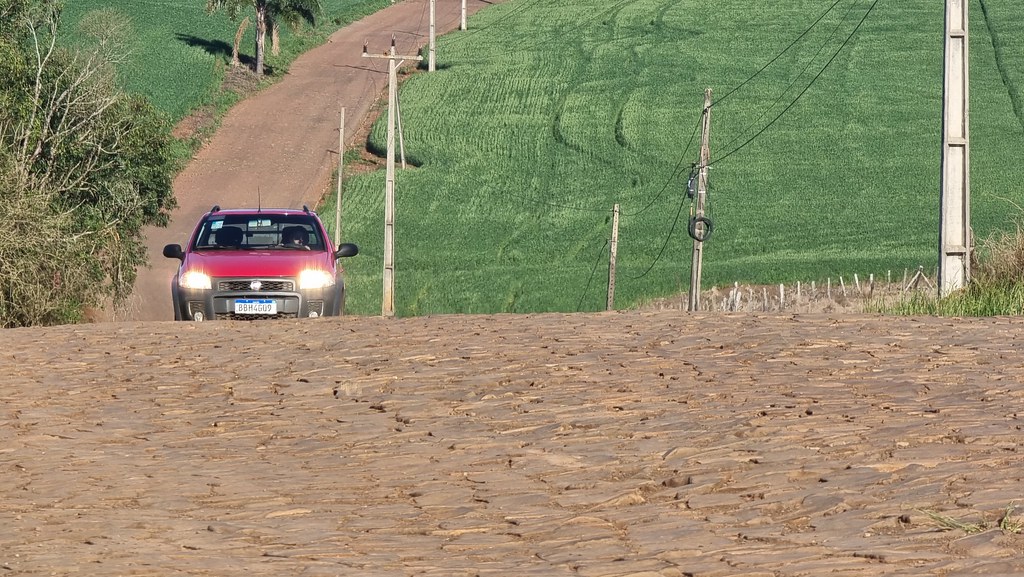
(825, 149)
(178, 52)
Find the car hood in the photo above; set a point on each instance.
(257, 263)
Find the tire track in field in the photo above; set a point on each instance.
(660, 20)
(1001, 64)
(586, 54)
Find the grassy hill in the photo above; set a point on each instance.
(825, 147)
(825, 142)
(178, 52)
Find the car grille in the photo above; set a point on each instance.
(266, 285)
(238, 317)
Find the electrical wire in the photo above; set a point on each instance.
(591, 279)
(802, 92)
(780, 54)
(423, 15)
(668, 237)
(678, 167)
(676, 171)
(786, 90)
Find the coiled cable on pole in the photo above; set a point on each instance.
(700, 226)
(700, 234)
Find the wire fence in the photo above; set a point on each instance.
(840, 294)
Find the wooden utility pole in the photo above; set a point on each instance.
(955, 213)
(462, 23)
(388, 301)
(432, 62)
(341, 170)
(611, 259)
(697, 261)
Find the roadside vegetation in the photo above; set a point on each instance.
(180, 53)
(83, 167)
(996, 287)
(825, 148)
(89, 93)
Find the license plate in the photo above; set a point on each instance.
(255, 307)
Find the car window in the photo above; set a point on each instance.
(258, 231)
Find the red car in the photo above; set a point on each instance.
(258, 264)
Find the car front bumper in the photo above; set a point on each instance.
(219, 303)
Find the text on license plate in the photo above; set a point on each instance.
(255, 307)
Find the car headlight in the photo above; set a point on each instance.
(315, 279)
(194, 280)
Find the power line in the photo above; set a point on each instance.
(668, 237)
(591, 279)
(783, 93)
(802, 92)
(423, 15)
(675, 173)
(677, 169)
(779, 55)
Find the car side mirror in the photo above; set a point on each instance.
(346, 249)
(174, 251)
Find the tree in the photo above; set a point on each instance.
(232, 8)
(83, 168)
(268, 14)
(293, 13)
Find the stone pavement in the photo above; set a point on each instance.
(622, 444)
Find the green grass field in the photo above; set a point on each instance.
(178, 52)
(545, 114)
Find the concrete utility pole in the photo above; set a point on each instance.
(697, 261)
(432, 62)
(388, 301)
(612, 257)
(401, 135)
(462, 23)
(341, 170)
(955, 213)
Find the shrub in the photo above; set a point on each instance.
(83, 167)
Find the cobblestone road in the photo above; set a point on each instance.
(634, 444)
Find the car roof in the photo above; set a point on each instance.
(248, 211)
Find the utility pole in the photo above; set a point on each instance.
(432, 63)
(462, 23)
(388, 301)
(401, 135)
(700, 228)
(611, 259)
(955, 212)
(341, 170)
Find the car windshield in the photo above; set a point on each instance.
(259, 231)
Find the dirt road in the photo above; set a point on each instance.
(282, 143)
(627, 444)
